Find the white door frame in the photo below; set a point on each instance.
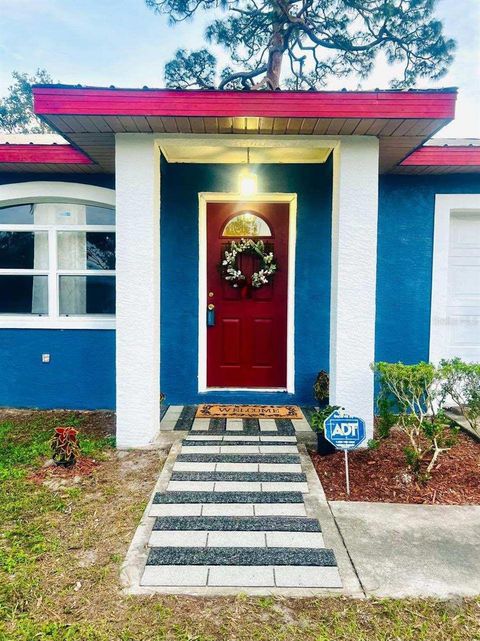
(215, 197)
(445, 205)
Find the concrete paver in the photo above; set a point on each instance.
(412, 550)
(241, 576)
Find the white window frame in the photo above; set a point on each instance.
(445, 206)
(61, 192)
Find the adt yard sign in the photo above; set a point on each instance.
(346, 433)
(343, 431)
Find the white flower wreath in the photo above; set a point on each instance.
(230, 268)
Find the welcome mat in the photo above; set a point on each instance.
(249, 411)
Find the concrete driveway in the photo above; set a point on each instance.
(412, 550)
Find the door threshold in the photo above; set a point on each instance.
(245, 389)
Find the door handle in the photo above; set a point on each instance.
(210, 315)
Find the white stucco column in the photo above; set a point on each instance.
(354, 260)
(137, 163)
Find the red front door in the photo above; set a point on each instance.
(247, 344)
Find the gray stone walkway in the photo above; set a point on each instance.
(182, 418)
(244, 511)
(230, 513)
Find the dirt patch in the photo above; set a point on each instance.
(91, 423)
(84, 466)
(454, 480)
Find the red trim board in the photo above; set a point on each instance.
(50, 154)
(443, 156)
(51, 100)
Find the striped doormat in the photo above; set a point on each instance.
(248, 411)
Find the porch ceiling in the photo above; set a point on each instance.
(90, 117)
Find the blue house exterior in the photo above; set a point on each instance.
(81, 359)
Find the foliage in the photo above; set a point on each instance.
(321, 415)
(317, 38)
(412, 392)
(197, 68)
(460, 382)
(321, 387)
(231, 271)
(64, 444)
(16, 109)
(386, 418)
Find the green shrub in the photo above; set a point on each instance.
(460, 382)
(412, 394)
(321, 387)
(386, 418)
(320, 415)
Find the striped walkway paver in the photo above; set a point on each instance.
(233, 515)
(182, 418)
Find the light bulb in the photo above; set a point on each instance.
(248, 183)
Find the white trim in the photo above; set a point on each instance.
(209, 197)
(257, 140)
(63, 322)
(273, 390)
(42, 191)
(445, 205)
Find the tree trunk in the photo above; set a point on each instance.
(275, 55)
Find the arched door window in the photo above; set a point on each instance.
(246, 224)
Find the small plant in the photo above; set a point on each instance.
(321, 387)
(460, 383)
(373, 444)
(320, 415)
(412, 393)
(65, 449)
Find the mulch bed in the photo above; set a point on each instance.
(382, 475)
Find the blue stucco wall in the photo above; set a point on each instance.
(81, 373)
(404, 268)
(179, 264)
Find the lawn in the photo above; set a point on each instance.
(63, 538)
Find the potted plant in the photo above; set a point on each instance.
(324, 447)
(65, 449)
(321, 389)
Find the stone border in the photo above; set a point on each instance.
(318, 507)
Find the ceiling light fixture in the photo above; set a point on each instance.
(248, 180)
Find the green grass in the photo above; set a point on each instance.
(61, 549)
(26, 509)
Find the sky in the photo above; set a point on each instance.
(123, 43)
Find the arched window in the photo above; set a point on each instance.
(246, 224)
(57, 260)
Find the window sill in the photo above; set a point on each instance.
(44, 322)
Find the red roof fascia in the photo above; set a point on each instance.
(167, 102)
(444, 156)
(35, 154)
